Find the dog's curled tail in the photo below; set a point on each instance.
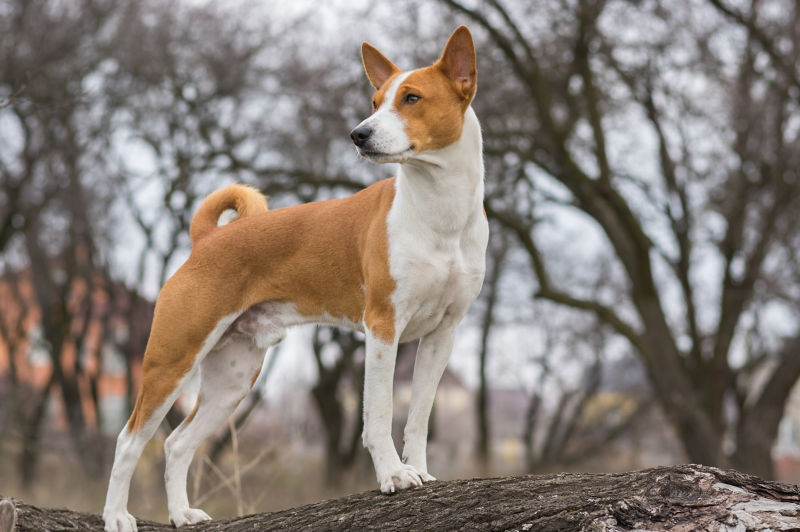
(244, 199)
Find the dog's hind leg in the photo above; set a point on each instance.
(130, 444)
(170, 361)
(226, 375)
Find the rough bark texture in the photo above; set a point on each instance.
(682, 498)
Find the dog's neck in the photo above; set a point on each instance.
(443, 189)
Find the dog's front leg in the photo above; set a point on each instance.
(392, 474)
(432, 355)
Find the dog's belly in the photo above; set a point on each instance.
(266, 323)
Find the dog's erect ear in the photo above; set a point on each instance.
(458, 62)
(377, 67)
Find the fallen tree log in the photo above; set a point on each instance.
(683, 498)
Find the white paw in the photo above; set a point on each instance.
(426, 477)
(402, 478)
(120, 521)
(189, 516)
(421, 471)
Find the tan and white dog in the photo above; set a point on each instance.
(402, 259)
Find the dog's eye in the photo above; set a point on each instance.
(374, 105)
(411, 98)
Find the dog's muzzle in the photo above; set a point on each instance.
(361, 135)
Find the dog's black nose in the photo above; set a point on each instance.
(360, 135)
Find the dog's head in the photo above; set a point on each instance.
(418, 110)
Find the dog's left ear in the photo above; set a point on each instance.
(458, 62)
(376, 65)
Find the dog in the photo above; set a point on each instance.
(8, 515)
(400, 260)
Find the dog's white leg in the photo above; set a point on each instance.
(130, 444)
(392, 474)
(432, 355)
(8, 515)
(115, 512)
(226, 375)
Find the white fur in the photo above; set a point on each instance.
(389, 140)
(437, 236)
(391, 473)
(432, 355)
(130, 445)
(227, 362)
(227, 216)
(225, 378)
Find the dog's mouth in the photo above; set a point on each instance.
(381, 156)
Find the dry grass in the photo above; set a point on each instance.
(248, 478)
(255, 474)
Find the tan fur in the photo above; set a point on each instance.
(458, 63)
(245, 200)
(188, 419)
(433, 122)
(377, 67)
(328, 257)
(255, 377)
(380, 93)
(445, 88)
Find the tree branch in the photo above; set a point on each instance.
(687, 497)
(547, 291)
(587, 20)
(785, 65)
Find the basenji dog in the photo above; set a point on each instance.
(400, 260)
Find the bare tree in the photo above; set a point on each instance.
(51, 201)
(336, 379)
(567, 419)
(199, 100)
(729, 199)
(499, 248)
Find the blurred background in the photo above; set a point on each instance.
(642, 298)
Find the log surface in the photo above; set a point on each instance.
(679, 498)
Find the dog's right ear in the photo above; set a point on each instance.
(376, 65)
(458, 62)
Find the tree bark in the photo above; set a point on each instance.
(682, 498)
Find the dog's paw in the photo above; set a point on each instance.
(421, 471)
(189, 516)
(402, 478)
(120, 521)
(425, 476)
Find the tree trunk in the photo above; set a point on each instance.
(482, 408)
(31, 432)
(759, 420)
(754, 455)
(483, 443)
(340, 448)
(332, 416)
(682, 498)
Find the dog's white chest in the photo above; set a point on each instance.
(437, 279)
(437, 235)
